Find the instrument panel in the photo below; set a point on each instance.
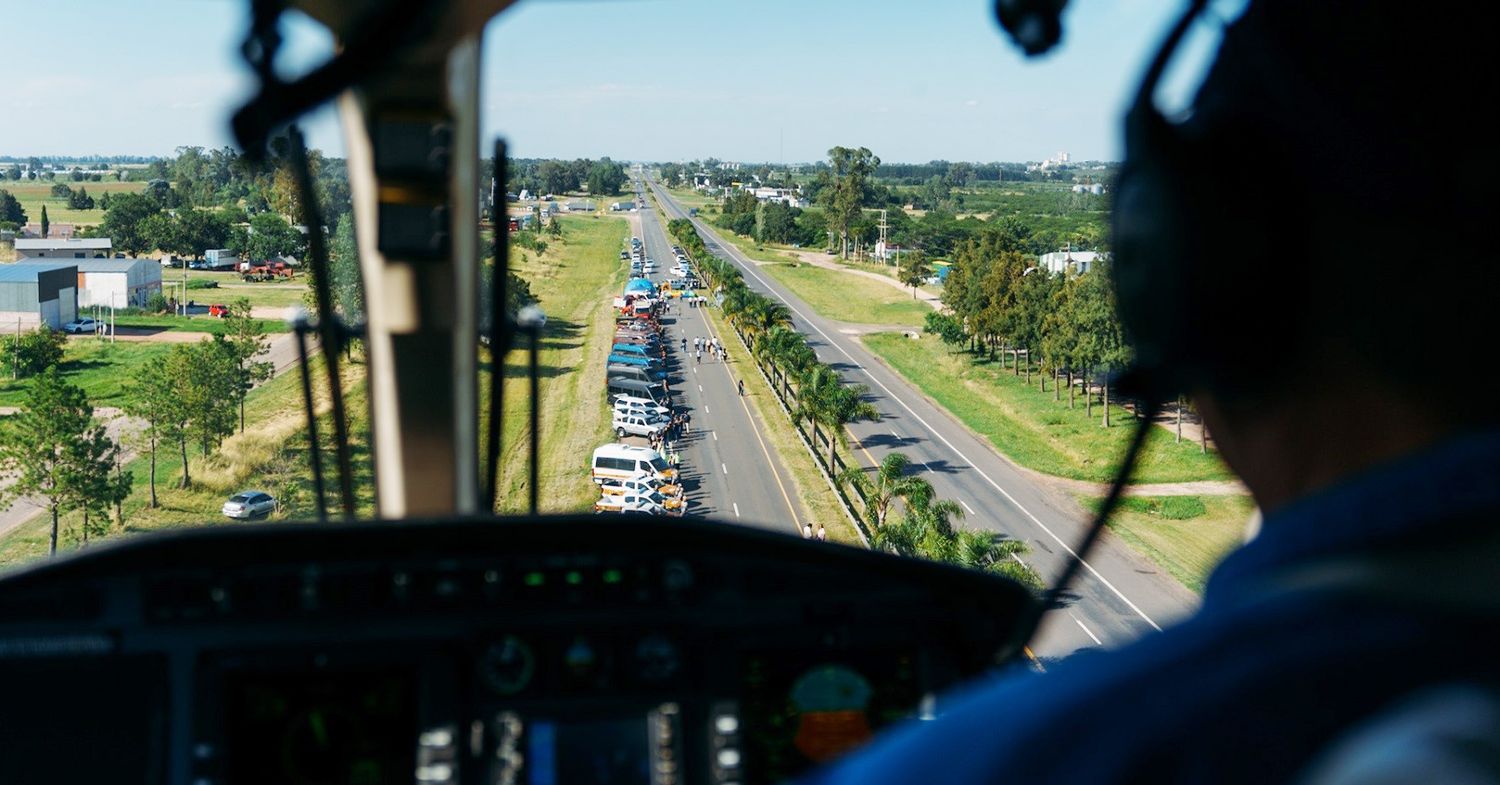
(521, 652)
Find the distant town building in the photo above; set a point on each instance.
(790, 197)
(59, 248)
(55, 231)
(1088, 188)
(1060, 261)
(38, 293)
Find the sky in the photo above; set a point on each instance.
(656, 80)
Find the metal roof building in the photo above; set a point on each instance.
(121, 283)
(38, 293)
(61, 248)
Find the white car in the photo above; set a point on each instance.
(629, 503)
(632, 404)
(249, 504)
(83, 326)
(635, 425)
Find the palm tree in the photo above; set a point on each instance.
(844, 404)
(765, 314)
(889, 484)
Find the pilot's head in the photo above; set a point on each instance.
(1306, 252)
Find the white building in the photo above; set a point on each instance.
(122, 283)
(63, 248)
(1060, 261)
(787, 196)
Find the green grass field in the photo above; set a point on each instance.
(849, 298)
(271, 455)
(231, 286)
(199, 323)
(101, 368)
(1029, 427)
(1185, 535)
(575, 282)
(32, 194)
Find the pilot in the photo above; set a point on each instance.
(1334, 165)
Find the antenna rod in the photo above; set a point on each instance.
(500, 325)
(314, 445)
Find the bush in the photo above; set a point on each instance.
(156, 303)
(202, 283)
(1173, 508)
(33, 352)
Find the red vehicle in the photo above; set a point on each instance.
(266, 271)
(218, 310)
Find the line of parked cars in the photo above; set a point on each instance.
(637, 479)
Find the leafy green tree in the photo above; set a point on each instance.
(33, 352)
(271, 237)
(60, 191)
(10, 209)
(210, 391)
(914, 270)
(556, 178)
(200, 230)
(91, 479)
(45, 446)
(162, 232)
(123, 220)
(46, 224)
(246, 339)
(848, 182)
(946, 326)
(14, 172)
(606, 177)
(80, 199)
(156, 402)
(824, 399)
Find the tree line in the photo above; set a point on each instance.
(1000, 302)
(817, 396)
(603, 177)
(57, 450)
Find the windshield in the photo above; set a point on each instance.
(902, 334)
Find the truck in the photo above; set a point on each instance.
(220, 259)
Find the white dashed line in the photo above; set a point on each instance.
(967, 507)
(725, 468)
(1086, 630)
(705, 408)
(736, 509)
(716, 435)
(897, 435)
(700, 388)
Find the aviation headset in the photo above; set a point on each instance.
(1193, 271)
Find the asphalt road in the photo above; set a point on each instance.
(728, 470)
(1118, 596)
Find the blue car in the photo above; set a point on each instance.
(636, 350)
(633, 359)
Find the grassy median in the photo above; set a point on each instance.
(1029, 427)
(1185, 535)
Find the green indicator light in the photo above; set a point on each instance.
(573, 577)
(613, 576)
(535, 578)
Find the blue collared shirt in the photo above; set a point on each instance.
(1254, 685)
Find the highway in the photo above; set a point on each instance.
(1117, 597)
(728, 470)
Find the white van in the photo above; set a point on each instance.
(641, 424)
(625, 462)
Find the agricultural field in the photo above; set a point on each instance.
(32, 194)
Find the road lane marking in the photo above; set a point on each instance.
(967, 507)
(700, 388)
(897, 435)
(736, 509)
(716, 435)
(705, 408)
(925, 466)
(749, 269)
(1086, 630)
(725, 468)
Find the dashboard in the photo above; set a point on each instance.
(541, 651)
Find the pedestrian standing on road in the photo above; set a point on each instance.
(687, 422)
(699, 357)
(807, 531)
(822, 533)
(684, 343)
(742, 388)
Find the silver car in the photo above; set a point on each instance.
(249, 504)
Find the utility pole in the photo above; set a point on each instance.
(884, 247)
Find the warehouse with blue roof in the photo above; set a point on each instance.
(38, 293)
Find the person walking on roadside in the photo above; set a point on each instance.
(699, 357)
(822, 533)
(742, 388)
(807, 531)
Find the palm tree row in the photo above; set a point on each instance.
(820, 397)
